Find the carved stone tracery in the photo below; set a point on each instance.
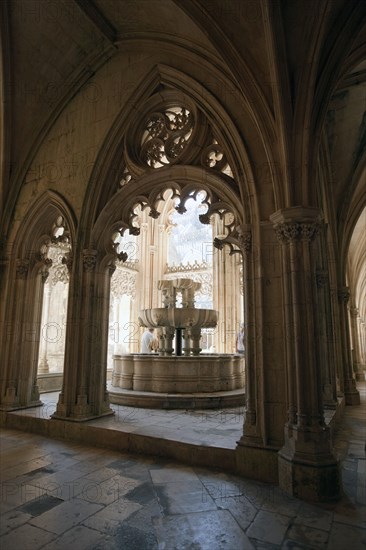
(166, 136)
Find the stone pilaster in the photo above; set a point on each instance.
(357, 361)
(350, 391)
(251, 435)
(19, 377)
(308, 468)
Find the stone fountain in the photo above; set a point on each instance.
(184, 377)
(186, 321)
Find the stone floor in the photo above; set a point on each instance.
(61, 495)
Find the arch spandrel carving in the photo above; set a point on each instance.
(215, 145)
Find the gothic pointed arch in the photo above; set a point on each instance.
(49, 221)
(216, 143)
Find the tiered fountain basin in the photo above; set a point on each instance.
(154, 381)
(179, 317)
(186, 379)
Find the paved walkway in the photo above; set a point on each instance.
(65, 496)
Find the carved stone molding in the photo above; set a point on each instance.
(123, 283)
(22, 267)
(188, 267)
(321, 278)
(89, 260)
(344, 295)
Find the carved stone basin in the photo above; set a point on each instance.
(178, 317)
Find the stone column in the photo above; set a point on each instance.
(357, 361)
(250, 428)
(350, 391)
(84, 394)
(308, 468)
(19, 378)
(43, 367)
(325, 343)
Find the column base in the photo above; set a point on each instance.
(307, 468)
(12, 402)
(257, 463)
(81, 411)
(360, 372)
(351, 393)
(310, 482)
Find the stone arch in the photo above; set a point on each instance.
(25, 294)
(105, 173)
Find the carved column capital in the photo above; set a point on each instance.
(245, 241)
(343, 294)
(22, 267)
(297, 223)
(89, 260)
(296, 231)
(321, 278)
(354, 312)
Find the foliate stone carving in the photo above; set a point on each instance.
(321, 278)
(89, 260)
(297, 231)
(309, 231)
(67, 261)
(126, 178)
(166, 136)
(22, 267)
(123, 283)
(45, 270)
(112, 268)
(245, 242)
(344, 295)
(354, 312)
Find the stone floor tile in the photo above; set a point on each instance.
(109, 518)
(14, 494)
(128, 537)
(350, 515)
(268, 527)
(185, 497)
(142, 494)
(144, 518)
(77, 538)
(281, 503)
(313, 538)
(173, 474)
(65, 516)
(213, 530)
(26, 537)
(240, 508)
(313, 516)
(344, 536)
(12, 520)
(40, 505)
(107, 491)
(292, 545)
